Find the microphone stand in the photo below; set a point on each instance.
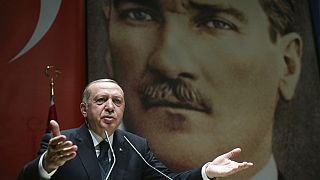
(114, 156)
(145, 160)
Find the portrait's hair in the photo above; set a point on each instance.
(86, 92)
(281, 16)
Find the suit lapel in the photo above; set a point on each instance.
(87, 153)
(121, 153)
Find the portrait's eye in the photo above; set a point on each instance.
(100, 101)
(217, 24)
(137, 15)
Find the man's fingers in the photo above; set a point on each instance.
(58, 140)
(69, 150)
(247, 164)
(54, 128)
(65, 144)
(68, 157)
(59, 155)
(242, 166)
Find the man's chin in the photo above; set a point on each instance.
(109, 127)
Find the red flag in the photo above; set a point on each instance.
(25, 99)
(52, 114)
(51, 72)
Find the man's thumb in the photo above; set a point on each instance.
(233, 153)
(54, 128)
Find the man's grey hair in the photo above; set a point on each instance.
(86, 92)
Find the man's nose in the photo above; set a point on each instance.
(172, 55)
(109, 106)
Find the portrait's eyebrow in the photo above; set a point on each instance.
(154, 4)
(214, 8)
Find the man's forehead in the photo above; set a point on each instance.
(105, 86)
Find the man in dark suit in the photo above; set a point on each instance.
(72, 154)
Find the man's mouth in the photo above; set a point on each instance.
(107, 117)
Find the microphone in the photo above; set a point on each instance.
(114, 156)
(145, 160)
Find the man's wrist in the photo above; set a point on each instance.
(204, 173)
(213, 178)
(42, 172)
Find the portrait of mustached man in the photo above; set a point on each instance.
(208, 75)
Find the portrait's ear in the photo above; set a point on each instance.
(291, 44)
(107, 11)
(83, 109)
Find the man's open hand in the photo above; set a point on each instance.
(59, 149)
(223, 165)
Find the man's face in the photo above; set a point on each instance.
(105, 107)
(201, 76)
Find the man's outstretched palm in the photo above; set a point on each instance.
(223, 165)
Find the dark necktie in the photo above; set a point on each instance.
(103, 158)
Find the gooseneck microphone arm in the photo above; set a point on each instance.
(114, 156)
(145, 160)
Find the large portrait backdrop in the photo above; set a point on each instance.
(202, 77)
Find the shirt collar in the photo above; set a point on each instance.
(97, 139)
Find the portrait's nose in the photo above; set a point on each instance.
(171, 57)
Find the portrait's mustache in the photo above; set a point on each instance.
(175, 93)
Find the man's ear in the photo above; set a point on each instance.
(291, 44)
(83, 109)
(107, 13)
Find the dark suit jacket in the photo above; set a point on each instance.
(85, 165)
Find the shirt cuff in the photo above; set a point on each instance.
(203, 173)
(43, 173)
